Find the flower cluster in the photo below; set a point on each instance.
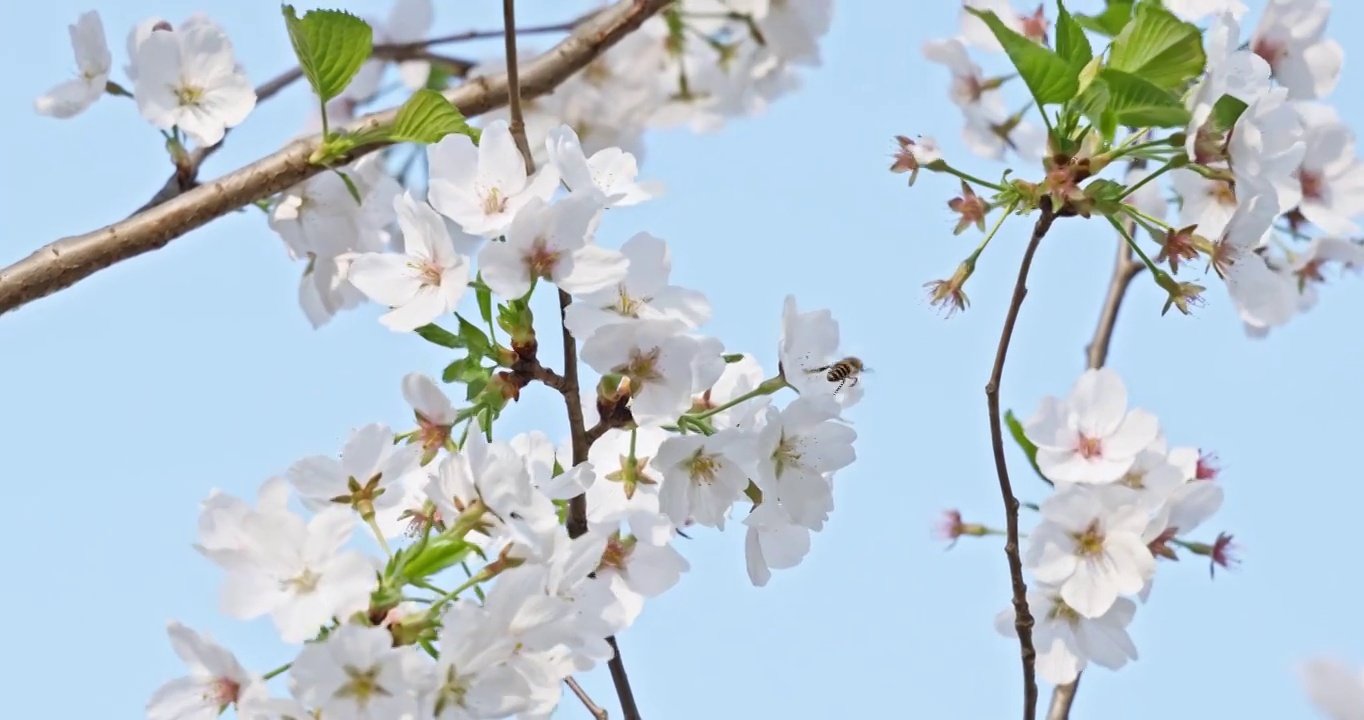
(1266, 187)
(559, 545)
(1122, 498)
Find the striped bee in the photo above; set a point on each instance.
(843, 371)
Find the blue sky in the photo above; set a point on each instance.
(127, 397)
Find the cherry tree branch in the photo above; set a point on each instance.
(1061, 699)
(67, 261)
(595, 710)
(576, 523)
(1023, 620)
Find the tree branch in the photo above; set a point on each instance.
(1061, 699)
(1023, 620)
(63, 263)
(576, 523)
(593, 709)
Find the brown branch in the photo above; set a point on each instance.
(576, 523)
(593, 709)
(63, 263)
(1061, 699)
(1023, 620)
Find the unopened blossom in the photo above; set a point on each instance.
(215, 680)
(1267, 146)
(1067, 641)
(1091, 436)
(611, 170)
(483, 188)
(189, 78)
(552, 242)
(644, 293)
(1291, 37)
(797, 450)
(426, 281)
(1331, 177)
(357, 674)
(299, 573)
(702, 477)
(1091, 547)
(1336, 689)
(773, 541)
(663, 363)
(93, 63)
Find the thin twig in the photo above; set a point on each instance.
(1125, 268)
(594, 709)
(1061, 699)
(568, 385)
(65, 262)
(1023, 620)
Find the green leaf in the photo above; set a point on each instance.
(1093, 104)
(1051, 79)
(474, 338)
(1135, 102)
(1029, 449)
(439, 554)
(733, 358)
(434, 333)
(331, 45)
(1071, 43)
(1164, 50)
(427, 117)
(465, 370)
(1225, 112)
(1111, 21)
(350, 187)
(485, 301)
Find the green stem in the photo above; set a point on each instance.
(326, 132)
(423, 584)
(971, 178)
(766, 387)
(1137, 185)
(990, 235)
(277, 671)
(378, 535)
(1149, 221)
(1133, 244)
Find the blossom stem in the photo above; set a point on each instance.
(990, 235)
(1023, 619)
(971, 178)
(1132, 243)
(277, 671)
(766, 387)
(483, 575)
(1138, 184)
(379, 535)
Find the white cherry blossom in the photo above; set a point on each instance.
(215, 680)
(610, 170)
(93, 61)
(484, 188)
(1067, 641)
(189, 78)
(357, 674)
(644, 293)
(552, 242)
(1091, 436)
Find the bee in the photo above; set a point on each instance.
(841, 372)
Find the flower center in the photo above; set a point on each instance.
(642, 367)
(703, 467)
(303, 583)
(1090, 448)
(1135, 479)
(429, 272)
(625, 305)
(362, 685)
(542, 260)
(1062, 611)
(493, 202)
(787, 453)
(1222, 193)
(222, 691)
(1271, 51)
(452, 692)
(188, 95)
(1090, 542)
(1313, 186)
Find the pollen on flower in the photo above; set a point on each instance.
(494, 202)
(617, 551)
(1090, 542)
(1135, 479)
(188, 95)
(429, 272)
(642, 366)
(627, 306)
(1090, 448)
(787, 454)
(702, 467)
(541, 260)
(303, 583)
(221, 691)
(452, 691)
(362, 685)
(1062, 611)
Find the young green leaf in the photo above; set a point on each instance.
(1071, 43)
(1135, 102)
(474, 338)
(427, 117)
(1110, 22)
(1051, 79)
(1164, 50)
(485, 300)
(434, 333)
(1029, 449)
(1225, 112)
(439, 554)
(331, 45)
(350, 187)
